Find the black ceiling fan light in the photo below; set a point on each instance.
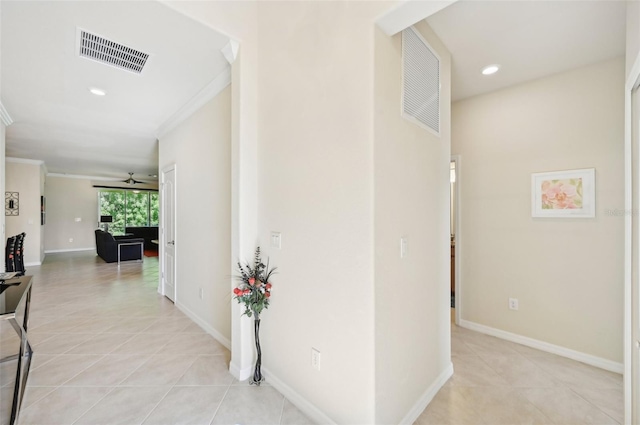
(131, 180)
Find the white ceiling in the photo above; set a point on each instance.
(529, 39)
(45, 83)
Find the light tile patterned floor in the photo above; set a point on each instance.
(110, 350)
(498, 382)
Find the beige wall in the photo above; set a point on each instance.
(68, 199)
(311, 160)
(201, 149)
(315, 186)
(566, 273)
(411, 169)
(633, 34)
(25, 178)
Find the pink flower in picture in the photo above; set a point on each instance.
(562, 194)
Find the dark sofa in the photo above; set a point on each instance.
(145, 232)
(107, 247)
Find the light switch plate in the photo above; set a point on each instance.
(403, 247)
(276, 240)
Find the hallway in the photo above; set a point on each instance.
(110, 350)
(499, 382)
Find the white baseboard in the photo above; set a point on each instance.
(51, 251)
(427, 396)
(33, 264)
(208, 329)
(304, 405)
(240, 374)
(545, 346)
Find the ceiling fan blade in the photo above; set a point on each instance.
(131, 180)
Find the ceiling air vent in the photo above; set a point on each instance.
(421, 81)
(111, 53)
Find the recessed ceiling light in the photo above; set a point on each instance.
(490, 69)
(97, 92)
(153, 175)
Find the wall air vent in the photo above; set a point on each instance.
(421, 81)
(111, 53)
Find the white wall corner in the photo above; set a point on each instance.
(208, 329)
(210, 91)
(240, 374)
(424, 400)
(579, 356)
(408, 12)
(4, 116)
(230, 51)
(304, 405)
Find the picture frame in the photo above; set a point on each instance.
(564, 194)
(11, 203)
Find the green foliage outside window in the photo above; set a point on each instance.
(154, 200)
(129, 209)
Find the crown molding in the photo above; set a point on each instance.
(79, 176)
(230, 51)
(24, 161)
(210, 91)
(4, 116)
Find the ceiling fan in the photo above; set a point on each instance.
(131, 180)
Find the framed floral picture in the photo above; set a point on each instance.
(569, 193)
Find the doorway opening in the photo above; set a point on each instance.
(454, 207)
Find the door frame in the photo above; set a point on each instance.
(632, 82)
(458, 250)
(161, 234)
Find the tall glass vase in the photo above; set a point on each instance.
(257, 373)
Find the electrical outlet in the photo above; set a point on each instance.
(70, 240)
(315, 359)
(513, 303)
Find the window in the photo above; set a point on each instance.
(128, 208)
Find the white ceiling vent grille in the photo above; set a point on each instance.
(111, 53)
(421, 81)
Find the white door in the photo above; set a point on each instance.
(635, 251)
(169, 232)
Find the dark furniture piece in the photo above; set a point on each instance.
(9, 254)
(118, 248)
(15, 300)
(14, 254)
(106, 219)
(147, 233)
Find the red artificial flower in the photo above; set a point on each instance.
(267, 294)
(237, 291)
(268, 286)
(246, 291)
(252, 281)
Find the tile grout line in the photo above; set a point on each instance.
(221, 401)
(156, 405)
(282, 410)
(94, 404)
(593, 404)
